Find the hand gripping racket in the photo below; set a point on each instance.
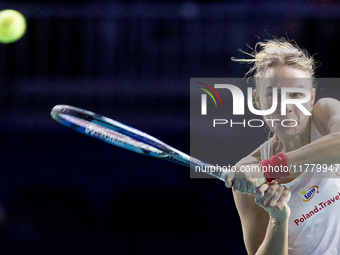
(123, 136)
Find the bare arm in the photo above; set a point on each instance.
(326, 150)
(254, 221)
(264, 219)
(263, 215)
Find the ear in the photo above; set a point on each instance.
(257, 98)
(312, 99)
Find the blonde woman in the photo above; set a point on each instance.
(294, 212)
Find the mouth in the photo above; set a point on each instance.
(290, 123)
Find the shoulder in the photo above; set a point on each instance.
(326, 115)
(326, 103)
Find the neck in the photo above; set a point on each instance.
(281, 144)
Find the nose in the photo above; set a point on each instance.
(289, 108)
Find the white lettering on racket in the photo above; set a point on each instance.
(108, 135)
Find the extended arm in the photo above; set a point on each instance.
(326, 150)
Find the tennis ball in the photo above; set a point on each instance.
(12, 26)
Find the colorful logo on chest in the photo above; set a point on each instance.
(308, 194)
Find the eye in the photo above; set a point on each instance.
(296, 95)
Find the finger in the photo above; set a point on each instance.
(270, 192)
(284, 196)
(276, 197)
(229, 180)
(261, 191)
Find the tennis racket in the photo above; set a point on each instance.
(123, 136)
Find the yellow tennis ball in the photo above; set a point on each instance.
(12, 26)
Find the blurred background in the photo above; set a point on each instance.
(64, 193)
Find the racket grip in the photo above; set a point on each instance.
(222, 178)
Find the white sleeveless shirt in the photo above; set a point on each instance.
(314, 223)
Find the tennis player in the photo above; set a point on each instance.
(292, 212)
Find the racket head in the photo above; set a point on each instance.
(123, 136)
(104, 129)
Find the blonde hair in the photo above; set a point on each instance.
(277, 52)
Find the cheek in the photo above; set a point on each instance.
(302, 119)
(308, 106)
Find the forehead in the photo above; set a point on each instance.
(285, 72)
(285, 76)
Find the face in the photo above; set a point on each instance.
(280, 77)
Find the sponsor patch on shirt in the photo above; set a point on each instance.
(307, 195)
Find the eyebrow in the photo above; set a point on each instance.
(271, 87)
